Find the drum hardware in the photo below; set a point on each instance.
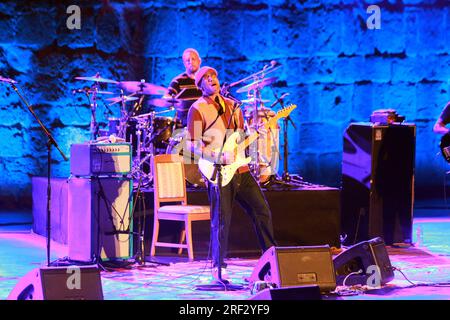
(94, 90)
(259, 81)
(142, 87)
(286, 179)
(165, 103)
(121, 99)
(137, 171)
(97, 79)
(257, 85)
(253, 100)
(254, 94)
(274, 65)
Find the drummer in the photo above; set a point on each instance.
(183, 86)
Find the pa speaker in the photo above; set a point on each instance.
(289, 293)
(296, 266)
(364, 262)
(377, 193)
(59, 283)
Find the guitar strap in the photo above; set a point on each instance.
(219, 107)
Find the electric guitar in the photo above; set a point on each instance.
(207, 167)
(445, 147)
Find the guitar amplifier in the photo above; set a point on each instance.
(100, 159)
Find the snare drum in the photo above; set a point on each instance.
(192, 173)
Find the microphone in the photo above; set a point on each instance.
(280, 99)
(7, 80)
(274, 63)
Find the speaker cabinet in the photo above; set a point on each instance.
(296, 266)
(378, 182)
(59, 283)
(289, 293)
(368, 258)
(99, 218)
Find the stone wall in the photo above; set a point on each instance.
(335, 69)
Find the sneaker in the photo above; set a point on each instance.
(224, 274)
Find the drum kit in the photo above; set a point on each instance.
(154, 132)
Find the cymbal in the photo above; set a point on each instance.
(120, 99)
(161, 102)
(105, 92)
(142, 87)
(257, 84)
(252, 100)
(97, 78)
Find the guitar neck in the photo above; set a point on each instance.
(251, 138)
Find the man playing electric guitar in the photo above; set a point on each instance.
(210, 119)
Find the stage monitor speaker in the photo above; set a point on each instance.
(289, 293)
(59, 283)
(296, 266)
(99, 218)
(368, 257)
(378, 182)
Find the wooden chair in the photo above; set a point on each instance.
(170, 186)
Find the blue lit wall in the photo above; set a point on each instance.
(335, 69)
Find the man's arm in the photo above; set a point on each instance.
(442, 121)
(439, 127)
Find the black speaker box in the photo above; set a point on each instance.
(59, 283)
(296, 266)
(361, 257)
(289, 293)
(378, 182)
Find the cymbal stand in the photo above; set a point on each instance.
(93, 105)
(124, 116)
(286, 178)
(137, 171)
(254, 149)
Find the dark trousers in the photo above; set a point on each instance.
(248, 194)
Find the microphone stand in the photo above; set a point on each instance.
(50, 141)
(286, 179)
(217, 176)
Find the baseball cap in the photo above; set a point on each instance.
(201, 72)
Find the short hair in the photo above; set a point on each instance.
(190, 50)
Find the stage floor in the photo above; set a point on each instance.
(428, 262)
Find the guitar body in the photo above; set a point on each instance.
(207, 167)
(445, 146)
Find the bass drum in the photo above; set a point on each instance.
(192, 174)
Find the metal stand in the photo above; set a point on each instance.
(286, 178)
(50, 141)
(217, 176)
(223, 285)
(139, 256)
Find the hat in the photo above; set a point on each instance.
(201, 72)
